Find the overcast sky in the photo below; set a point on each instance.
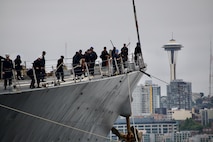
(27, 27)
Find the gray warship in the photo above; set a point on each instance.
(72, 111)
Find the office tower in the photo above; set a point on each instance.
(146, 99)
(179, 95)
(137, 101)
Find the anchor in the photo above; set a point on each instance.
(133, 135)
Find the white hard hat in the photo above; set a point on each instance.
(7, 55)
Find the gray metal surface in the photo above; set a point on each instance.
(83, 111)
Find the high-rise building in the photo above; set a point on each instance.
(156, 94)
(163, 102)
(137, 101)
(206, 116)
(179, 95)
(146, 98)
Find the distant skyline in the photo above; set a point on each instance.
(29, 27)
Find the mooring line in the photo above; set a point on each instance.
(51, 121)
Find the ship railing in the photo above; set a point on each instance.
(111, 67)
(116, 66)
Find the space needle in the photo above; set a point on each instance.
(172, 48)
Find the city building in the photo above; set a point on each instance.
(146, 98)
(179, 95)
(182, 136)
(206, 116)
(196, 96)
(181, 114)
(148, 126)
(163, 102)
(137, 101)
(201, 138)
(156, 97)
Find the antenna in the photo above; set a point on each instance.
(210, 70)
(65, 52)
(172, 35)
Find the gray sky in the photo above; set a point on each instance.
(28, 27)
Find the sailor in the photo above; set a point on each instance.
(77, 63)
(86, 61)
(18, 67)
(137, 52)
(116, 58)
(104, 56)
(80, 54)
(30, 74)
(37, 64)
(60, 70)
(86, 56)
(43, 72)
(76, 58)
(124, 54)
(82, 61)
(92, 56)
(113, 52)
(7, 71)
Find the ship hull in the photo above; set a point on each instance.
(83, 111)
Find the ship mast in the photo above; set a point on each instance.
(133, 134)
(140, 60)
(136, 21)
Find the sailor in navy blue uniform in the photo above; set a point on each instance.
(43, 72)
(93, 56)
(60, 70)
(76, 63)
(7, 71)
(124, 55)
(104, 56)
(18, 67)
(37, 64)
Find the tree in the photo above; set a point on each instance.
(190, 124)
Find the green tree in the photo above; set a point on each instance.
(190, 124)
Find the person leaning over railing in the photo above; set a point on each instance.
(37, 67)
(31, 75)
(116, 61)
(76, 63)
